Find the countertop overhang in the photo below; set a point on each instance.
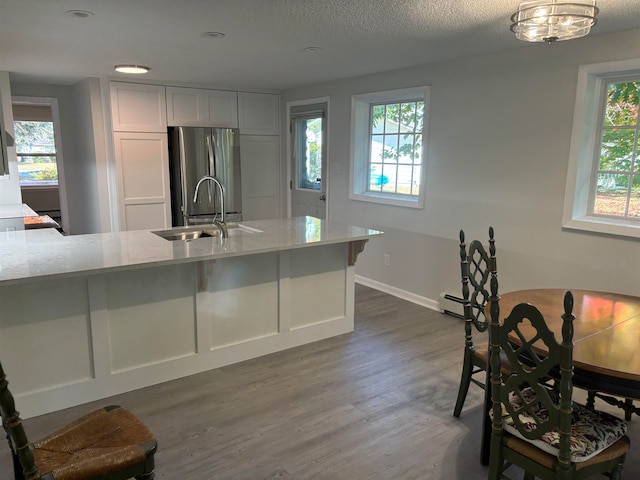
(46, 254)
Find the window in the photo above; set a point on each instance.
(388, 142)
(308, 125)
(617, 184)
(35, 145)
(603, 181)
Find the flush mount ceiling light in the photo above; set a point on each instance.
(553, 20)
(134, 69)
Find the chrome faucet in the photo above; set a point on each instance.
(219, 223)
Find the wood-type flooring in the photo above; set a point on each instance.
(374, 404)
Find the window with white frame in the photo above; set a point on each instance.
(388, 144)
(35, 145)
(603, 181)
(616, 190)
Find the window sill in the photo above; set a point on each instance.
(387, 199)
(604, 226)
(39, 186)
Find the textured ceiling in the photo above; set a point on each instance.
(265, 39)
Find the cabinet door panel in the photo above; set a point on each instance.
(200, 107)
(138, 108)
(142, 163)
(258, 113)
(182, 107)
(146, 216)
(223, 108)
(259, 156)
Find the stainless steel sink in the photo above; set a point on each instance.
(169, 235)
(187, 234)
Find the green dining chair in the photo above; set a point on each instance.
(108, 444)
(476, 266)
(540, 429)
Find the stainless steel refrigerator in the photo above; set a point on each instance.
(199, 151)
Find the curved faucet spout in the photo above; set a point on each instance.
(218, 183)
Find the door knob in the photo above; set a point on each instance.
(323, 197)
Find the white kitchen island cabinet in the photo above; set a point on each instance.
(90, 316)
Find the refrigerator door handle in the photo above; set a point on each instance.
(212, 155)
(210, 150)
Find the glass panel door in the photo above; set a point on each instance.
(308, 136)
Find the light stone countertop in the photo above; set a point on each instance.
(45, 254)
(16, 210)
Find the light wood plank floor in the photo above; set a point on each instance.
(372, 405)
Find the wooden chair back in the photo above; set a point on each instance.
(23, 461)
(519, 337)
(476, 267)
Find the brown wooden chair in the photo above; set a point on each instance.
(537, 428)
(476, 266)
(108, 444)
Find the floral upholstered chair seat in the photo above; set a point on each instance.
(591, 430)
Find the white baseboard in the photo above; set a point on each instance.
(398, 292)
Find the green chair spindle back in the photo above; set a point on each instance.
(23, 461)
(476, 267)
(530, 369)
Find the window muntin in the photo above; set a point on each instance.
(395, 147)
(36, 152)
(616, 188)
(388, 140)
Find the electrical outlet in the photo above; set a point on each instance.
(387, 259)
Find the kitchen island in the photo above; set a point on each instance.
(89, 316)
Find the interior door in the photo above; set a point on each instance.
(309, 157)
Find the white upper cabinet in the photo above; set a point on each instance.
(258, 113)
(199, 107)
(138, 107)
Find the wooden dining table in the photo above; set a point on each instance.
(606, 352)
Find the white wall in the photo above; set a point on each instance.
(500, 128)
(86, 177)
(9, 184)
(83, 148)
